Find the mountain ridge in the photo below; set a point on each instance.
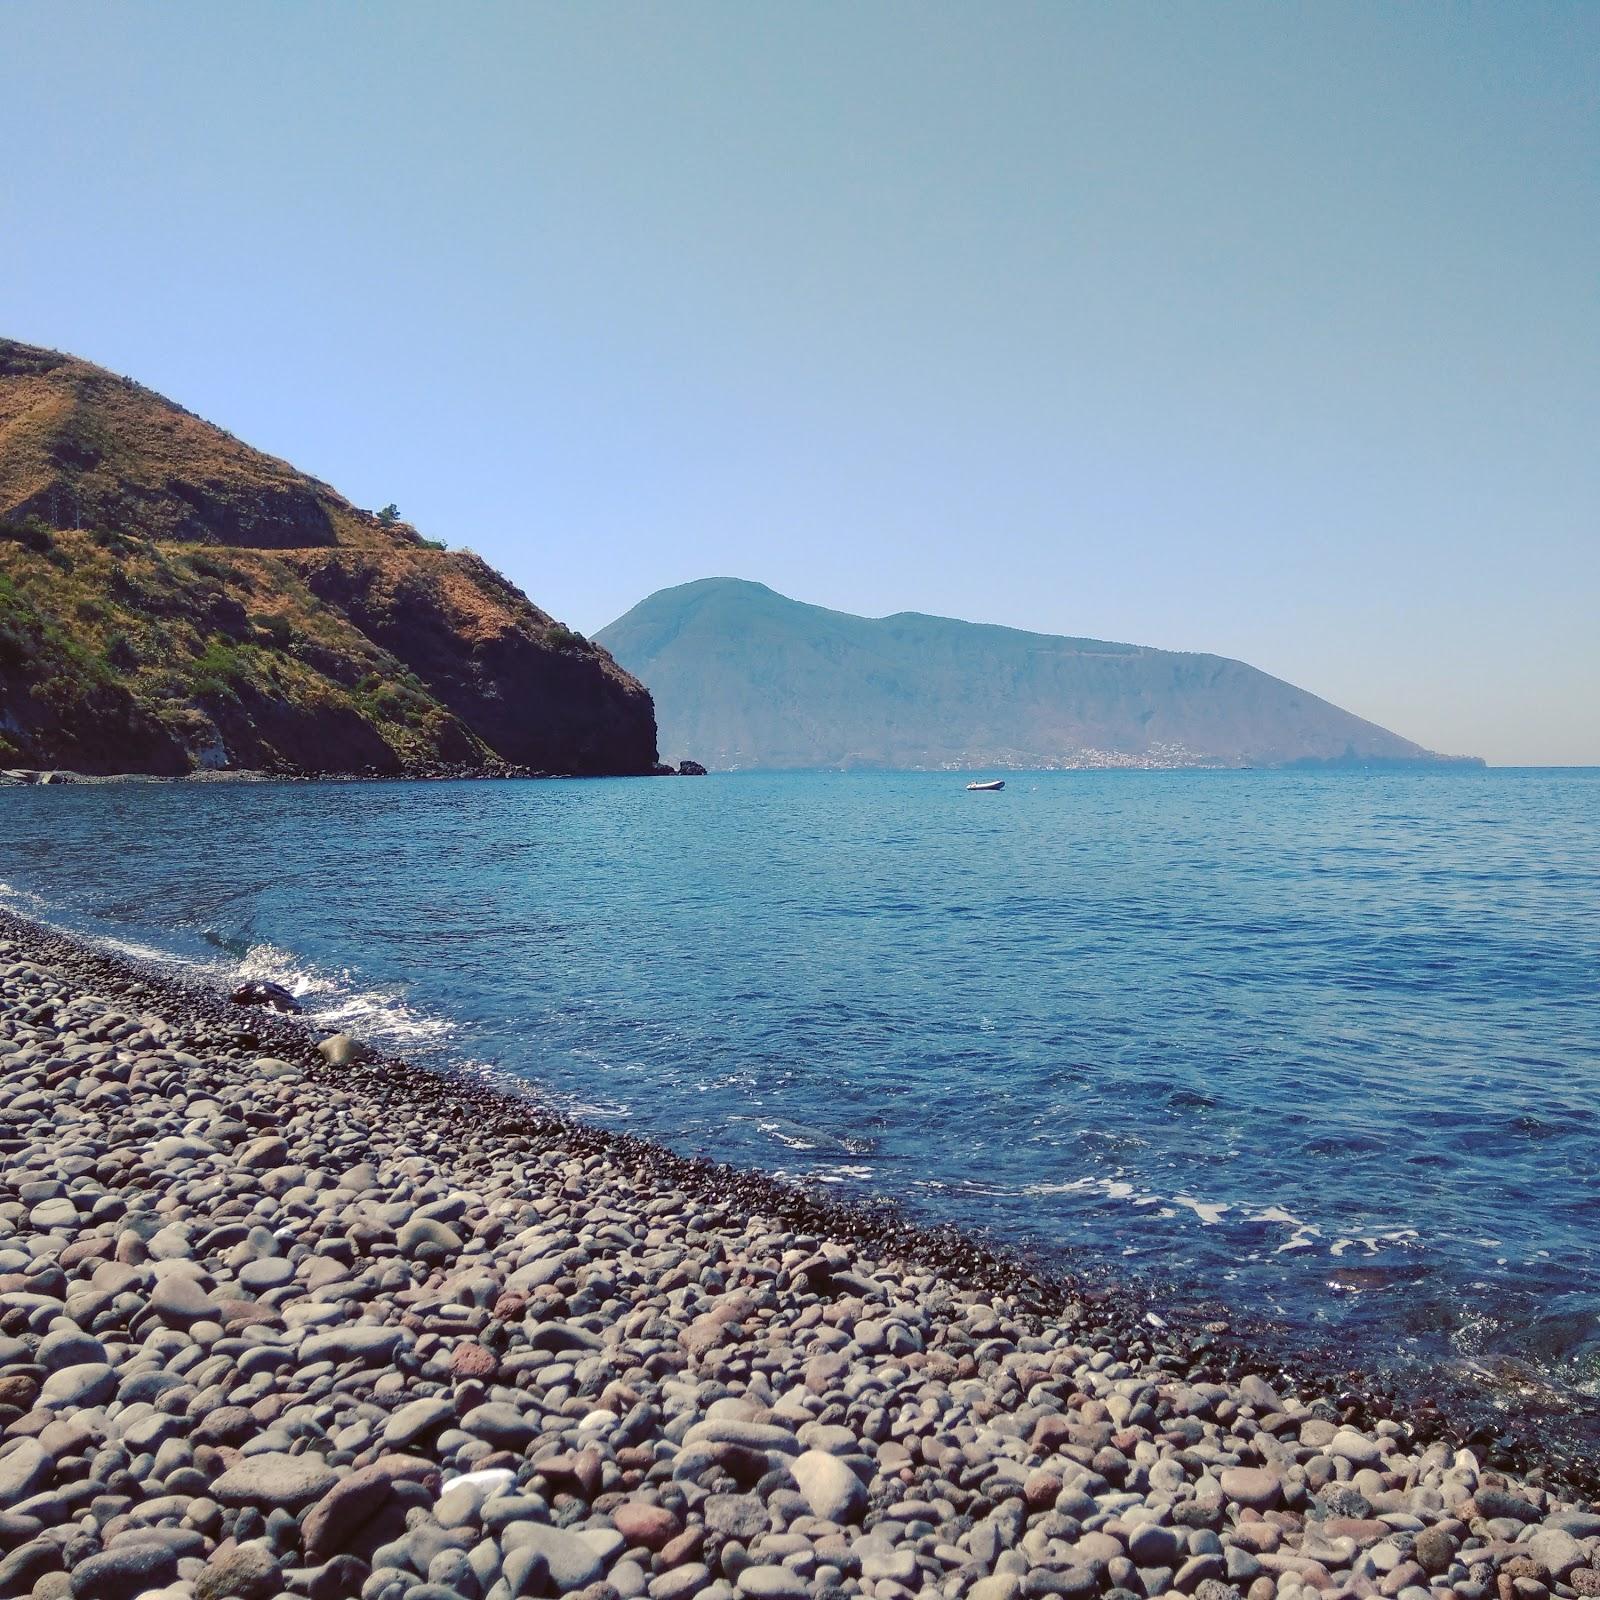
(746, 676)
(172, 599)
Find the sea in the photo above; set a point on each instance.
(1319, 1049)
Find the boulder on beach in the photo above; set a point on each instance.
(274, 1479)
(270, 996)
(341, 1050)
(832, 1490)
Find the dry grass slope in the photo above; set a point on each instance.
(171, 598)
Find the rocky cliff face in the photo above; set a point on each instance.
(744, 677)
(171, 599)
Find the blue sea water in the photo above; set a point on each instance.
(1323, 1048)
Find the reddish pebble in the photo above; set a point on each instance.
(1253, 1486)
(1050, 1433)
(472, 1361)
(653, 1527)
(684, 1548)
(1040, 1490)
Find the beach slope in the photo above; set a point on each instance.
(271, 1325)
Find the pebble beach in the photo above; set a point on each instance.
(279, 1320)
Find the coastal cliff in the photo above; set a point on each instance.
(746, 677)
(172, 600)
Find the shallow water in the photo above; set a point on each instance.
(1322, 1047)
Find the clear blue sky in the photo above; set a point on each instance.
(1272, 330)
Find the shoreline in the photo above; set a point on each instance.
(50, 777)
(744, 1331)
(28, 777)
(1517, 1438)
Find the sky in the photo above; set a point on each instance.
(1269, 330)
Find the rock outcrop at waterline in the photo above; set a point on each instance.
(173, 600)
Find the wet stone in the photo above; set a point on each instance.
(1493, 1503)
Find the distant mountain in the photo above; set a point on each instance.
(743, 677)
(172, 599)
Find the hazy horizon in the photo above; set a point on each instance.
(1270, 333)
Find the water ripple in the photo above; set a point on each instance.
(1325, 1045)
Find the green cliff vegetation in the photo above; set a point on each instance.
(125, 638)
(171, 599)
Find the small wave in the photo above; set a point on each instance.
(845, 1173)
(334, 1001)
(22, 900)
(38, 909)
(594, 1110)
(1375, 1243)
(145, 952)
(1210, 1212)
(331, 999)
(1302, 1235)
(795, 1136)
(787, 1137)
(1111, 1188)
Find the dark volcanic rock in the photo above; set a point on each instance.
(1498, 1503)
(123, 1573)
(271, 995)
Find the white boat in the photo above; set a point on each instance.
(993, 783)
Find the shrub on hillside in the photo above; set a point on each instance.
(30, 533)
(274, 629)
(219, 670)
(208, 566)
(560, 637)
(120, 652)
